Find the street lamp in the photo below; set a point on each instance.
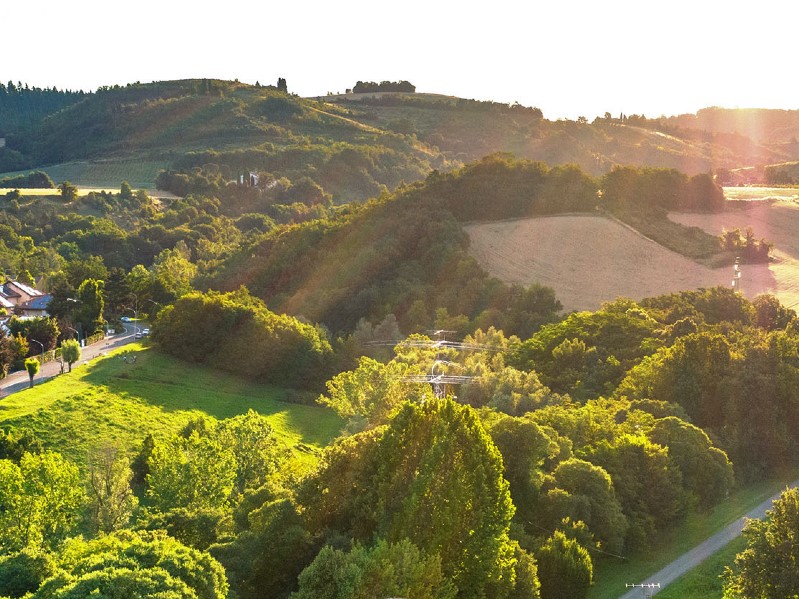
(42, 344)
(135, 316)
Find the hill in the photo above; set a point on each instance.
(118, 401)
(355, 145)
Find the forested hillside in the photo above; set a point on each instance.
(291, 285)
(208, 133)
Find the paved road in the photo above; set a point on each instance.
(689, 560)
(19, 380)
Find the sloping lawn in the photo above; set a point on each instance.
(135, 391)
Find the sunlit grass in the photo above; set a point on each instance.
(102, 174)
(111, 400)
(705, 581)
(762, 193)
(611, 574)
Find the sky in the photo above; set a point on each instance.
(569, 58)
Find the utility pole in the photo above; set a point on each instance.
(647, 589)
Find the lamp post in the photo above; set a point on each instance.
(42, 344)
(135, 317)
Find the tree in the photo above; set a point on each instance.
(385, 570)
(41, 329)
(125, 191)
(433, 460)
(134, 564)
(564, 568)
(70, 352)
(111, 498)
(32, 366)
(770, 313)
(766, 569)
(41, 498)
(23, 572)
(256, 448)
(590, 497)
(69, 193)
(367, 395)
(92, 303)
(194, 472)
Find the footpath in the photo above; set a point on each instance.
(690, 559)
(16, 381)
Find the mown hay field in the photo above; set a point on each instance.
(590, 259)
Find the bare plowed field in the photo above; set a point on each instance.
(591, 259)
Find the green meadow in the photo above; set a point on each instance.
(103, 174)
(135, 391)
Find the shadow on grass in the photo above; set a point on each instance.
(170, 384)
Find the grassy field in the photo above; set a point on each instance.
(121, 401)
(611, 574)
(104, 174)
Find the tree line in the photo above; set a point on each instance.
(364, 87)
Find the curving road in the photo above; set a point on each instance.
(690, 559)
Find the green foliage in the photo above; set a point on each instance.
(41, 329)
(587, 353)
(69, 193)
(266, 559)
(70, 352)
(111, 497)
(237, 333)
(369, 394)
(648, 485)
(767, 567)
(642, 188)
(127, 564)
(258, 452)
(14, 444)
(32, 365)
(194, 472)
(564, 567)
(404, 254)
(581, 491)
(197, 528)
(499, 187)
(386, 570)
(24, 572)
(770, 314)
(525, 447)
(706, 471)
(746, 246)
(34, 179)
(432, 460)
(41, 499)
(92, 303)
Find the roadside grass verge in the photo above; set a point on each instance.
(116, 399)
(704, 581)
(611, 574)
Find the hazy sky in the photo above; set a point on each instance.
(567, 57)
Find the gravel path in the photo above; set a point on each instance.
(690, 559)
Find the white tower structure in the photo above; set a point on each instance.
(736, 276)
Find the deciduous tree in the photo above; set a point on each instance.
(70, 352)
